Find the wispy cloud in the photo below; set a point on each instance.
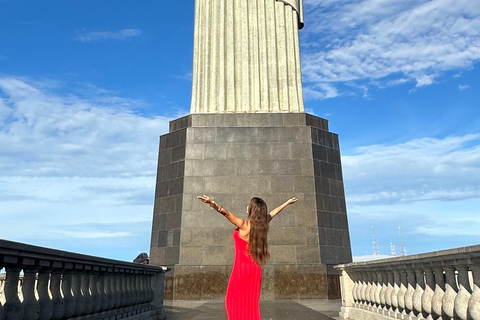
(76, 166)
(388, 42)
(418, 170)
(124, 34)
(463, 87)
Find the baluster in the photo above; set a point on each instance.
(396, 289)
(101, 289)
(136, 287)
(31, 308)
(96, 297)
(77, 291)
(150, 286)
(118, 289)
(368, 288)
(58, 301)
(354, 289)
(378, 289)
(410, 291)
(474, 301)
(115, 289)
(464, 293)
(131, 293)
(388, 292)
(364, 288)
(88, 296)
(12, 309)
(125, 295)
(451, 290)
(67, 282)
(419, 290)
(383, 291)
(402, 291)
(108, 289)
(373, 277)
(438, 294)
(145, 286)
(44, 301)
(427, 296)
(359, 286)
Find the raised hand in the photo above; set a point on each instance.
(205, 199)
(292, 200)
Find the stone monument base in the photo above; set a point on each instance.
(278, 282)
(233, 157)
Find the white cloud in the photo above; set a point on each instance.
(53, 135)
(418, 170)
(463, 87)
(371, 40)
(76, 166)
(123, 34)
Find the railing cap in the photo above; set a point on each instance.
(11, 249)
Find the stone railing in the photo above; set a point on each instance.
(41, 284)
(437, 285)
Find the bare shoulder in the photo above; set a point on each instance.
(245, 233)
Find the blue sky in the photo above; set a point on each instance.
(86, 88)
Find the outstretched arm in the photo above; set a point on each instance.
(239, 222)
(275, 211)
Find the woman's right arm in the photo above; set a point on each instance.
(277, 210)
(239, 222)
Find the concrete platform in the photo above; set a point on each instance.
(270, 310)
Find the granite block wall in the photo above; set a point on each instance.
(233, 157)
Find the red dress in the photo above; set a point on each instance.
(243, 292)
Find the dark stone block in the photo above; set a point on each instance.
(162, 189)
(334, 237)
(167, 204)
(338, 172)
(173, 139)
(170, 171)
(328, 254)
(322, 236)
(333, 156)
(322, 185)
(344, 255)
(176, 238)
(159, 222)
(178, 153)
(176, 186)
(330, 203)
(314, 136)
(328, 170)
(325, 219)
(336, 188)
(165, 157)
(174, 220)
(189, 281)
(163, 142)
(162, 240)
(319, 152)
(346, 238)
(340, 221)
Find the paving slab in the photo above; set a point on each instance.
(270, 310)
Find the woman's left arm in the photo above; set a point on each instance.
(239, 222)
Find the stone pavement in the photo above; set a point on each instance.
(270, 310)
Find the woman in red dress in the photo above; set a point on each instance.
(251, 252)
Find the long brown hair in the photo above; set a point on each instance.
(258, 246)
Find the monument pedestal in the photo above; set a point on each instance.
(233, 157)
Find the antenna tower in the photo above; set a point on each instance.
(403, 250)
(376, 251)
(392, 249)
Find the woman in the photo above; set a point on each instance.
(251, 252)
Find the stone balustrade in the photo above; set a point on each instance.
(436, 285)
(41, 284)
